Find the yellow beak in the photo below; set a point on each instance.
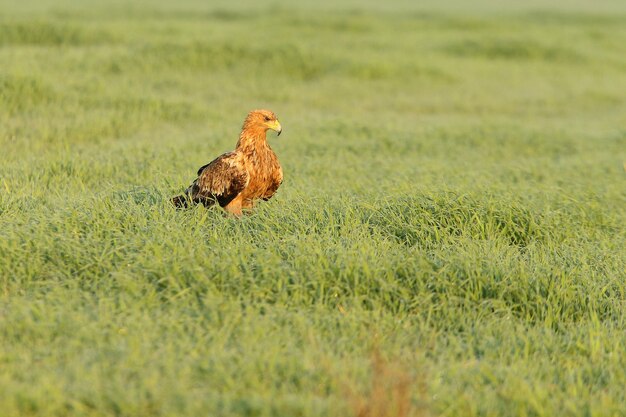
(275, 125)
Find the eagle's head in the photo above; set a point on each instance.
(262, 119)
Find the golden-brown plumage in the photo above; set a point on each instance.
(235, 180)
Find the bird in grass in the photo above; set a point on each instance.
(237, 179)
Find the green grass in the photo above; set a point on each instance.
(451, 222)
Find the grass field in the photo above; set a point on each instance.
(449, 239)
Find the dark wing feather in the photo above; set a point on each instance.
(220, 180)
(204, 166)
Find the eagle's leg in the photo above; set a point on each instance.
(247, 205)
(234, 207)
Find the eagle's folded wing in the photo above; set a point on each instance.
(222, 179)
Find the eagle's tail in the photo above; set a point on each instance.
(186, 200)
(181, 201)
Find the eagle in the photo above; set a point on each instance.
(236, 180)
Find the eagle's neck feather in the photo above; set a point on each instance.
(252, 140)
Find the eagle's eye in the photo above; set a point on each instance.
(267, 119)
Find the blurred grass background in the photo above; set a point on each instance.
(451, 226)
